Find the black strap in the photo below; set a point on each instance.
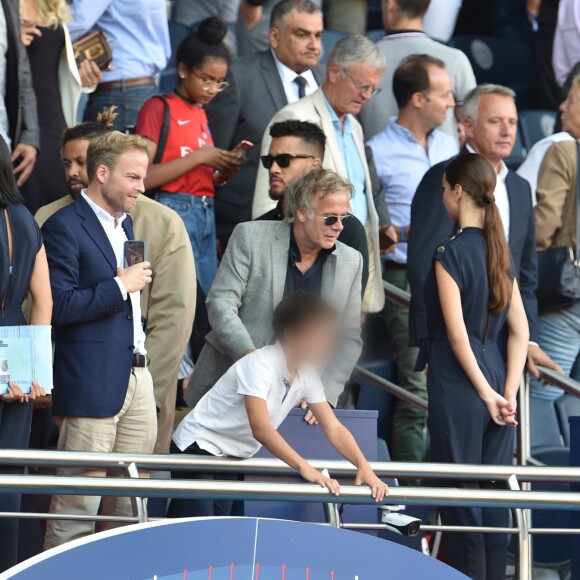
(164, 133)
(577, 200)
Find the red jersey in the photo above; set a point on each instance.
(188, 131)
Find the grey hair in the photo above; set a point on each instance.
(285, 7)
(353, 49)
(471, 101)
(316, 184)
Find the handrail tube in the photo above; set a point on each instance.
(558, 380)
(271, 466)
(397, 295)
(390, 387)
(294, 492)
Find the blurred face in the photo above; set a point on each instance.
(74, 159)
(570, 109)
(202, 84)
(122, 184)
(438, 99)
(313, 343)
(450, 200)
(493, 133)
(283, 177)
(315, 232)
(298, 41)
(349, 90)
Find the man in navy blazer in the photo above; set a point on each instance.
(103, 397)
(490, 119)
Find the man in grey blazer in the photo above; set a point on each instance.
(266, 260)
(354, 69)
(260, 85)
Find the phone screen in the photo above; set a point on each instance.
(134, 252)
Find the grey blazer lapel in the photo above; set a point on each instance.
(279, 256)
(328, 289)
(272, 81)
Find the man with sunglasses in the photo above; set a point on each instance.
(354, 69)
(296, 148)
(265, 261)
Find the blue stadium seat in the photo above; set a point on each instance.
(329, 39)
(544, 426)
(375, 35)
(567, 406)
(501, 61)
(535, 125)
(167, 79)
(372, 397)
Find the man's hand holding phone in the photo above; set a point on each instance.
(136, 277)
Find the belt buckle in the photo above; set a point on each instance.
(204, 201)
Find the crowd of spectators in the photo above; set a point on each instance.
(273, 172)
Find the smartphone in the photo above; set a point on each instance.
(134, 252)
(243, 147)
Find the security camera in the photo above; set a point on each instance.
(399, 523)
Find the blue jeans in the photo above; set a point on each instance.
(198, 216)
(129, 101)
(559, 334)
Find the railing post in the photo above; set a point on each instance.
(524, 422)
(331, 512)
(524, 547)
(139, 503)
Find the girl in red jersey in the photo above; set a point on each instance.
(184, 172)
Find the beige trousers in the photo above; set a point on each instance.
(132, 430)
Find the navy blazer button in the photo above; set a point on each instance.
(130, 317)
(131, 348)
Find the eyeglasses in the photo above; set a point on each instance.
(364, 89)
(210, 83)
(283, 160)
(330, 220)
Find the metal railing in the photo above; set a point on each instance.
(136, 487)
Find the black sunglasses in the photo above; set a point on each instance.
(282, 161)
(330, 220)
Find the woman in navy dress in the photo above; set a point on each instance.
(23, 269)
(472, 378)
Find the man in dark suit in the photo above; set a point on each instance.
(103, 398)
(261, 85)
(490, 118)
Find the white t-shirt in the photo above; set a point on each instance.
(219, 423)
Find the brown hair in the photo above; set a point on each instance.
(105, 149)
(477, 177)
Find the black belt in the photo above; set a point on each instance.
(140, 361)
(390, 265)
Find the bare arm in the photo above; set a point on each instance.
(265, 434)
(41, 310)
(517, 346)
(450, 298)
(343, 441)
(158, 174)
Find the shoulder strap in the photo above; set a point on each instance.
(164, 133)
(577, 200)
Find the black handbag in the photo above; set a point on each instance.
(559, 268)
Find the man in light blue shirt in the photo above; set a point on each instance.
(403, 152)
(139, 38)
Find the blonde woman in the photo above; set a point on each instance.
(58, 84)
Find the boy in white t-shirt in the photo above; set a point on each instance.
(246, 406)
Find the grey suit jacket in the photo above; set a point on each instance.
(250, 284)
(240, 112)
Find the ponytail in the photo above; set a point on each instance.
(478, 178)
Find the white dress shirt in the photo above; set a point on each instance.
(501, 195)
(117, 237)
(566, 51)
(287, 76)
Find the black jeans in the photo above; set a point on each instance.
(197, 508)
